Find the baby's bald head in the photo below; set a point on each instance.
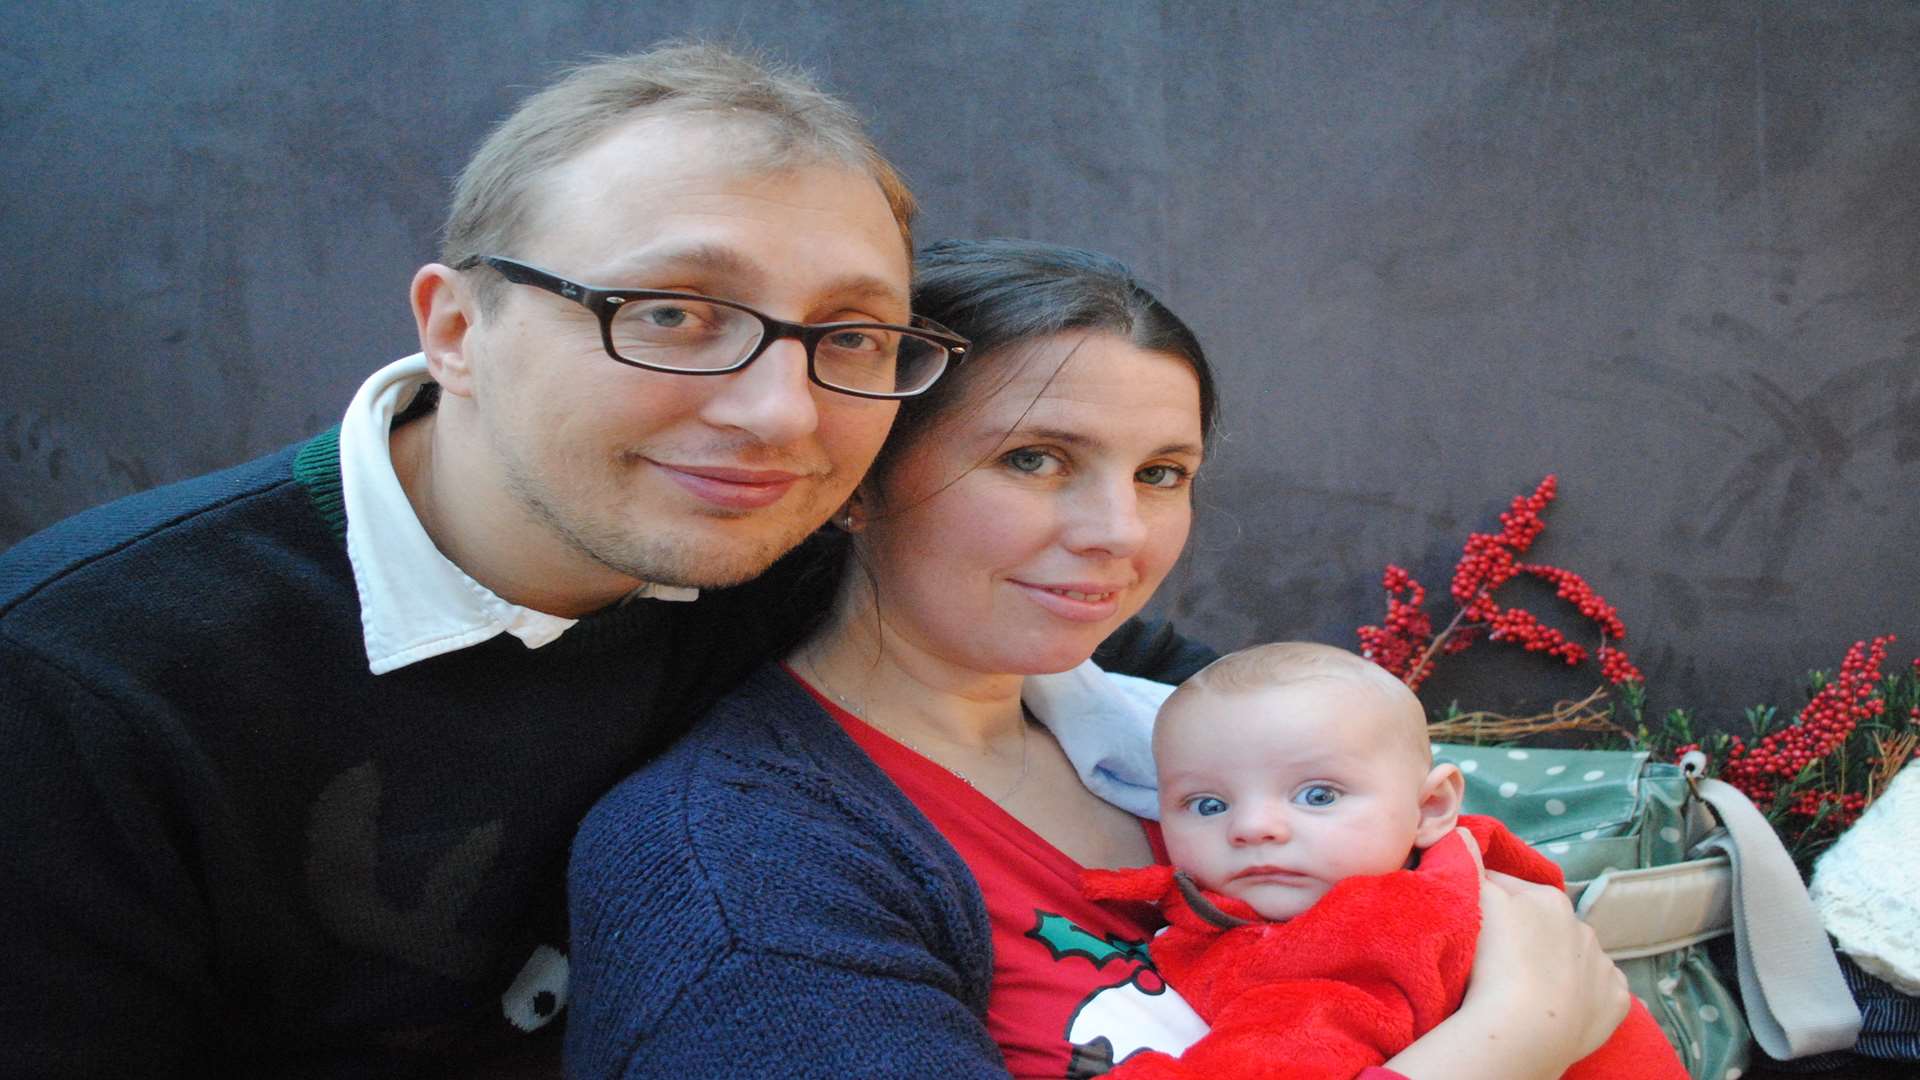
(1300, 757)
(1400, 720)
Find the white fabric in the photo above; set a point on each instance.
(1104, 722)
(414, 602)
(1867, 886)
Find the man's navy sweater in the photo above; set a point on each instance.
(229, 849)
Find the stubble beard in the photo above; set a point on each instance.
(671, 555)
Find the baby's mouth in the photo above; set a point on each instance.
(1269, 873)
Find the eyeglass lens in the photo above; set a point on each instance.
(691, 335)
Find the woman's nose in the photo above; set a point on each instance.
(1106, 518)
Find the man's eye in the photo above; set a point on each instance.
(857, 341)
(1316, 795)
(1208, 805)
(666, 319)
(672, 314)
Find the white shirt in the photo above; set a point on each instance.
(414, 602)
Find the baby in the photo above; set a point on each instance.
(1323, 906)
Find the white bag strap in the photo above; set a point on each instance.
(1796, 1001)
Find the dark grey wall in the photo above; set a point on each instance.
(1670, 251)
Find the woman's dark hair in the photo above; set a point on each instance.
(1001, 293)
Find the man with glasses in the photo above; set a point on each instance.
(294, 751)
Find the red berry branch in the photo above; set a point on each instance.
(1405, 644)
(1799, 772)
(1812, 778)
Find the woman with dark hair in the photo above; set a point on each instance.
(865, 861)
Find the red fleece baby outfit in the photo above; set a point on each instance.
(1370, 968)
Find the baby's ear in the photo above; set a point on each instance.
(1440, 796)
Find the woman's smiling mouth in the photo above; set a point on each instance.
(1079, 602)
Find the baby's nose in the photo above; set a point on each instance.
(1261, 826)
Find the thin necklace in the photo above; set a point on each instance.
(813, 670)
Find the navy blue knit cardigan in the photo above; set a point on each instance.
(762, 900)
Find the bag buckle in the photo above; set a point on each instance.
(1693, 766)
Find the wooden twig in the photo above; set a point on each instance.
(1423, 667)
(1582, 715)
(1894, 752)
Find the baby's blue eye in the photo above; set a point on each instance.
(1208, 805)
(1316, 795)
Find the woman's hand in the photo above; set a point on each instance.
(1542, 969)
(1542, 994)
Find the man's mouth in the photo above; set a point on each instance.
(730, 487)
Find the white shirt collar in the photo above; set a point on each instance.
(414, 602)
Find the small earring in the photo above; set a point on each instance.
(850, 519)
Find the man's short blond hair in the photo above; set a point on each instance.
(794, 123)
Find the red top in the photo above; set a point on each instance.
(1371, 967)
(1073, 989)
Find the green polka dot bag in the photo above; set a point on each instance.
(1659, 863)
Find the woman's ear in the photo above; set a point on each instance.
(853, 514)
(1440, 796)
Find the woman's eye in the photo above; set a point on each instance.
(1316, 795)
(1208, 805)
(1162, 476)
(1034, 462)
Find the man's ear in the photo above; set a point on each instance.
(443, 312)
(1440, 796)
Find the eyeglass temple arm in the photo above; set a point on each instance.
(521, 274)
(958, 346)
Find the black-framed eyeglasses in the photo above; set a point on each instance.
(688, 334)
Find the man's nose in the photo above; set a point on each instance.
(770, 398)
